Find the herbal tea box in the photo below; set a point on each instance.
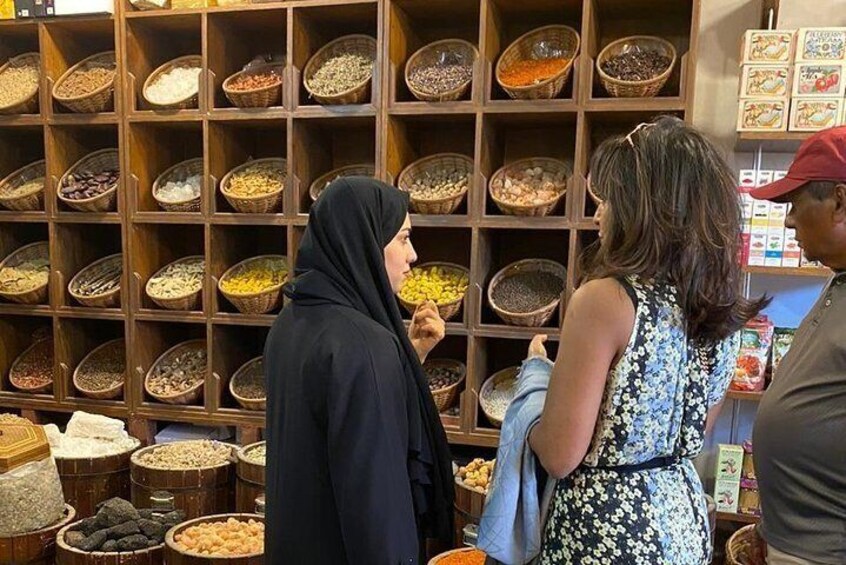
(821, 44)
(814, 114)
(726, 494)
(763, 115)
(818, 79)
(765, 81)
(764, 47)
(729, 462)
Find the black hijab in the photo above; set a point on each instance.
(341, 260)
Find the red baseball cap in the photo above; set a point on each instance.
(821, 157)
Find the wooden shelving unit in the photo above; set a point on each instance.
(818, 272)
(391, 131)
(738, 518)
(742, 395)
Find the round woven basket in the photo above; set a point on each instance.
(37, 295)
(449, 309)
(451, 50)
(178, 173)
(504, 375)
(257, 303)
(99, 100)
(360, 170)
(445, 397)
(187, 397)
(745, 547)
(27, 104)
(262, 204)
(537, 317)
(28, 202)
(189, 301)
(190, 101)
(561, 38)
(108, 299)
(247, 403)
(175, 555)
(257, 97)
(433, 164)
(356, 44)
(635, 89)
(93, 162)
(46, 388)
(553, 166)
(104, 394)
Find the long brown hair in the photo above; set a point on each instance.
(673, 215)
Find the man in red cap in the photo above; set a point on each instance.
(800, 430)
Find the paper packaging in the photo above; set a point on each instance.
(757, 246)
(821, 44)
(764, 178)
(768, 47)
(823, 80)
(782, 340)
(75, 7)
(775, 247)
(729, 462)
(7, 9)
(761, 213)
(766, 81)
(814, 114)
(763, 115)
(34, 8)
(792, 253)
(778, 212)
(726, 494)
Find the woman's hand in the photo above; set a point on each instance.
(427, 329)
(536, 348)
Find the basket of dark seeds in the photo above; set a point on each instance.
(90, 185)
(441, 71)
(102, 373)
(636, 66)
(247, 385)
(526, 293)
(445, 377)
(177, 377)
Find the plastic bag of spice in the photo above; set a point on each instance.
(782, 340)
(751, 369)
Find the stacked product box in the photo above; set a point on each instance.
(766, 241)
(766, 80)
(728, 475)
(818, 82)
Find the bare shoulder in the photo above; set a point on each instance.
(602, 305)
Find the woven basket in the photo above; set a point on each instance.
(190, 101)
(432, 54)
(553, 166)
(105, 394)
(358, 44)
(99, 100)
(263, 204)
(97, 161)
(13, 372)
(247, 403)
(36, 295)
(540, 316)
(745, 547)
(432, 164)
(506, 374)
(260, 302)
(178, 172)
(109, 299)
(448, 310)
(319, 184)
(445, 397)
(189, 396)
(30, 202)
(635, 89)
(257, 97)
(29, 103)
(559, 37)
(189, 301)
(436, 560)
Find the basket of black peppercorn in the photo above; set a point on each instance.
(526, 293)
(636, 66)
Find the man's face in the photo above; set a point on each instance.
(819, 225)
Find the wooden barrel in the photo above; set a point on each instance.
(197, 492)
(67, 555)
(35, 548)
(88, 482)
(468, 509)
(175, 556)
(250, 482)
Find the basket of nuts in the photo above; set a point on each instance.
(25, 274)
(179, 188)
(102, 373)
(259, 86)
(321, 182)
(178, 285)
(476, 475)
(445, 377)
(247, 385)
(537, 65)
(441, 71)
(175, 85)
(256, 187)
(445, 284)
(32, 371)
(23, 189)
(437, 184)
(254, 286)
(497, 393)
(529, 187)
(222, 538)
(88, 86)
(98, 284)
(636, 66)
(90, 185)
(19, 78)
(341, 71)
(527, 292)
(178, 375)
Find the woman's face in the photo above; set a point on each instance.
(399, 256)
(600, 217)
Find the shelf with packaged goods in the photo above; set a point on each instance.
(744, 395)
(817, 272)
(771, 141)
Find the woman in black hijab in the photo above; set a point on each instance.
(358, 466)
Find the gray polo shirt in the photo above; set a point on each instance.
(800, 438)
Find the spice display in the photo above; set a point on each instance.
(6, 418)
(105, 369)
(104, 280)
(532, 71)
(17, 84)
(635, 65)
(476, 475)
(89, 436)
(441, 376)
(8, 190)
(184, 455)
(440, 184)
(232, 537)
(532, 186)
(500, 396)
(25, 276)
(178, 372)
(345, 173)
(174, 85)
(471, 557)
(250, 383)
(86, 80)
(256, 180)
(340, 74)
(178, 279)
(82, 185)
(256, 276)
(255, 80)
(34, 368)
(527, 291)
(438, 284)
(438, 78)
(180, 191)
(755, 341)
(257, 454)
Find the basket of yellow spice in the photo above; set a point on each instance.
(254, 286)
(256, 186)
(537, 65)
(445, 284)
(25, 274)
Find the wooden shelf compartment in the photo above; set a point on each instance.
(17, 40)
(13, 237)
(737, 518)
(76, 339)
(19, 147)
(75, 247)
(232, 346)
(17, 333)
(454, 347)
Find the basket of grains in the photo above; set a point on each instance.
(746, 547)
(445, 284)
(527, 292)
(178, 375)
(537, 65)
(445, 377)
(636, 67)
(25, 274)
(321, 182)
(178, 285)
(102, 373)
(256, 187)
(250, 472)
(32, 371)
(497, 393)
(90, 185)
(88, 86)
(462, 556)
(341, 71)
(437, 184)
(98, 284)
(247, 385)
(178, 188)
(19, 79)
(23, 189)
(254, 286)
(175, 85)
(203, 540)
(259, 86)
(529, 187)
(441, 71)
